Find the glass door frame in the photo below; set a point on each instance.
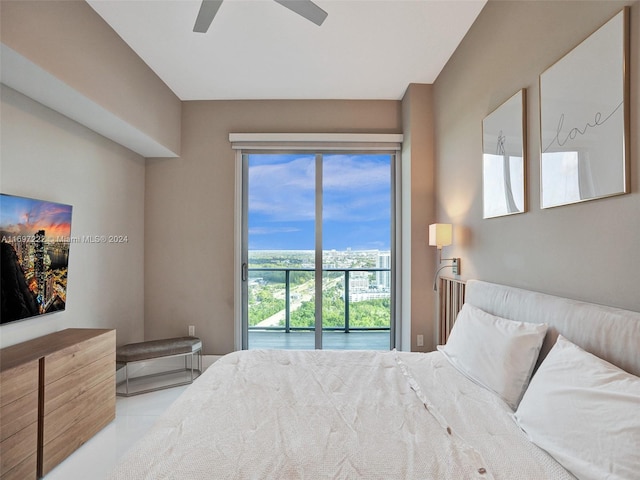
(318, 254)
(384, 144)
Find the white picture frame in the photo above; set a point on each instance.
(504, 158)
(584, 119)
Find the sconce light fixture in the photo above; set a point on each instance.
(441, 235)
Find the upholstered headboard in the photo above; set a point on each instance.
(610, 333)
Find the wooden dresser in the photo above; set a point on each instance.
(56, 392)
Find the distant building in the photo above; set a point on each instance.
(39, 266)
(364, 296)
(383, 279)
(359, 282)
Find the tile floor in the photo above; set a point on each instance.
(134, 416)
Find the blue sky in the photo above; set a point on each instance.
(356, 201)
(26, 216)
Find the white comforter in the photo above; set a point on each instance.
(336, 415)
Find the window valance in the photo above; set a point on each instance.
(316, 141)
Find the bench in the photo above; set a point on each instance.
(185, 347)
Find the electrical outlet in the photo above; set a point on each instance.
(192, 330)
(420, 340)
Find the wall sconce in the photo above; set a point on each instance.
(441, 235)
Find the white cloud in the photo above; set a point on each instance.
(355, 187)
(272, 230)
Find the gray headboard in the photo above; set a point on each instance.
(610, 333)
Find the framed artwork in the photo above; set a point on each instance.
(503, 158)
(35, 256)
(584, 119)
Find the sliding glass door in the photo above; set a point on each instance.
(280, 258)
(317, 256)
(356, 251)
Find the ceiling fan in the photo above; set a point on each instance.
(305, 8)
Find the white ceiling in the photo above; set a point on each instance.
(257, 49)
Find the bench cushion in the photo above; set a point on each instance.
(134, 352)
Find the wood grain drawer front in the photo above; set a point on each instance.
(17, 415)
(86, 416)
(18, 382)
(18, 421)
(56, 392)
(67, 360)
(25, 470)
(60, 421)
(17, 448)
(70, 387)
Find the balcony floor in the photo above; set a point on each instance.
(354, 340)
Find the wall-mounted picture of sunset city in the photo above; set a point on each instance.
(34, 257)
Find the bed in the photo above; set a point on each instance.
(505, 398)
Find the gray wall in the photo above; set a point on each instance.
(178, 269)
(69, 40)
(189, 206)
(419, 204)
(47, 156)
(586, 251)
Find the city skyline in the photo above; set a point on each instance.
(34, 255)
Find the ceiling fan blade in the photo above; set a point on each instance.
(208, 10)
(306, 8)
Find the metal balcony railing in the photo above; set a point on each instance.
(347, 302)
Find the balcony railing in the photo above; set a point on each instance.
(347, 327)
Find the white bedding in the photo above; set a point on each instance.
(336, 415)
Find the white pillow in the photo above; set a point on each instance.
(585, 412)
(497, 353)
